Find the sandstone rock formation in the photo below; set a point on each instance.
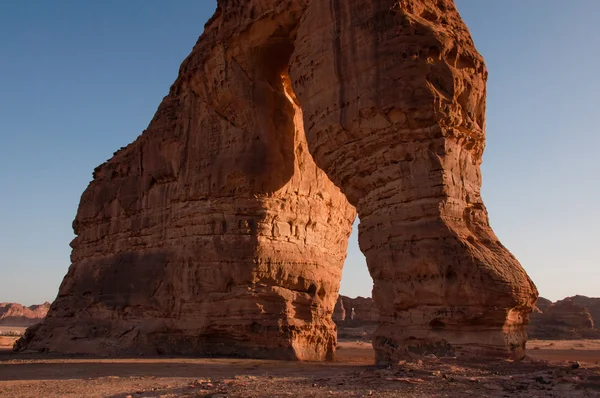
(365, 309)
(542, 305)
(561, 320)
(339, 311)
(592, 304)
(223, 228)
(360, 327)
(13, 314)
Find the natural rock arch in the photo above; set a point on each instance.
(223, 228)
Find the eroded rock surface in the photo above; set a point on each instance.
(393, 94)
(214, 232)
(223, 228)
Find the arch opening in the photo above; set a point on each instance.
(223, 228)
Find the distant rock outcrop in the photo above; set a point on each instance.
(564, 319)
(339, 311)
(543, 304)
(591, 303)
(359, 309)
(13, 314)
(355, 318)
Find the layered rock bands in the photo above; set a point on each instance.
(222, 230)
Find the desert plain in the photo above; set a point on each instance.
(552, 368)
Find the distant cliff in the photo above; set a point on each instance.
(569, 318)
(574, 317)
(591, 303)
(363, 307)
(13, 314)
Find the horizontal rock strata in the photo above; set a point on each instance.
(223, 228)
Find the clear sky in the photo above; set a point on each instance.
(80, 79)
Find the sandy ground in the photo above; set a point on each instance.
(549, 373)
(587, 351)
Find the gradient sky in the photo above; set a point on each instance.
(80, 79)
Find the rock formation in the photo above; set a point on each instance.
(542, 305)
(223, 228)
(592, 304)
(360, 327)
(561, 320)
(339, 311)
(365, 309)
(13, 314)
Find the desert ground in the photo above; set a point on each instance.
(5, 329)
(553, 369)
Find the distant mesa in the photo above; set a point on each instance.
(13, 314)
(572, 318)
(591, 303)
(355, 311)
(575, 317)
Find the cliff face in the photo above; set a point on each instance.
(223, 228)
(13, 314)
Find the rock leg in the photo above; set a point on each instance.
(214, 233)
(393, 94)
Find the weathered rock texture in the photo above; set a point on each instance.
(223, 228)
(13, 314)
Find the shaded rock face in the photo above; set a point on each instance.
(13, 314)
(592, 304)
(365, 310)
(542, 305)
(339, 311)
(561, 320)
(355, 318)
(223, 228)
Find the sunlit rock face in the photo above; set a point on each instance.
(223, 228)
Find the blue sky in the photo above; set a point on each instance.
(80, 79)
